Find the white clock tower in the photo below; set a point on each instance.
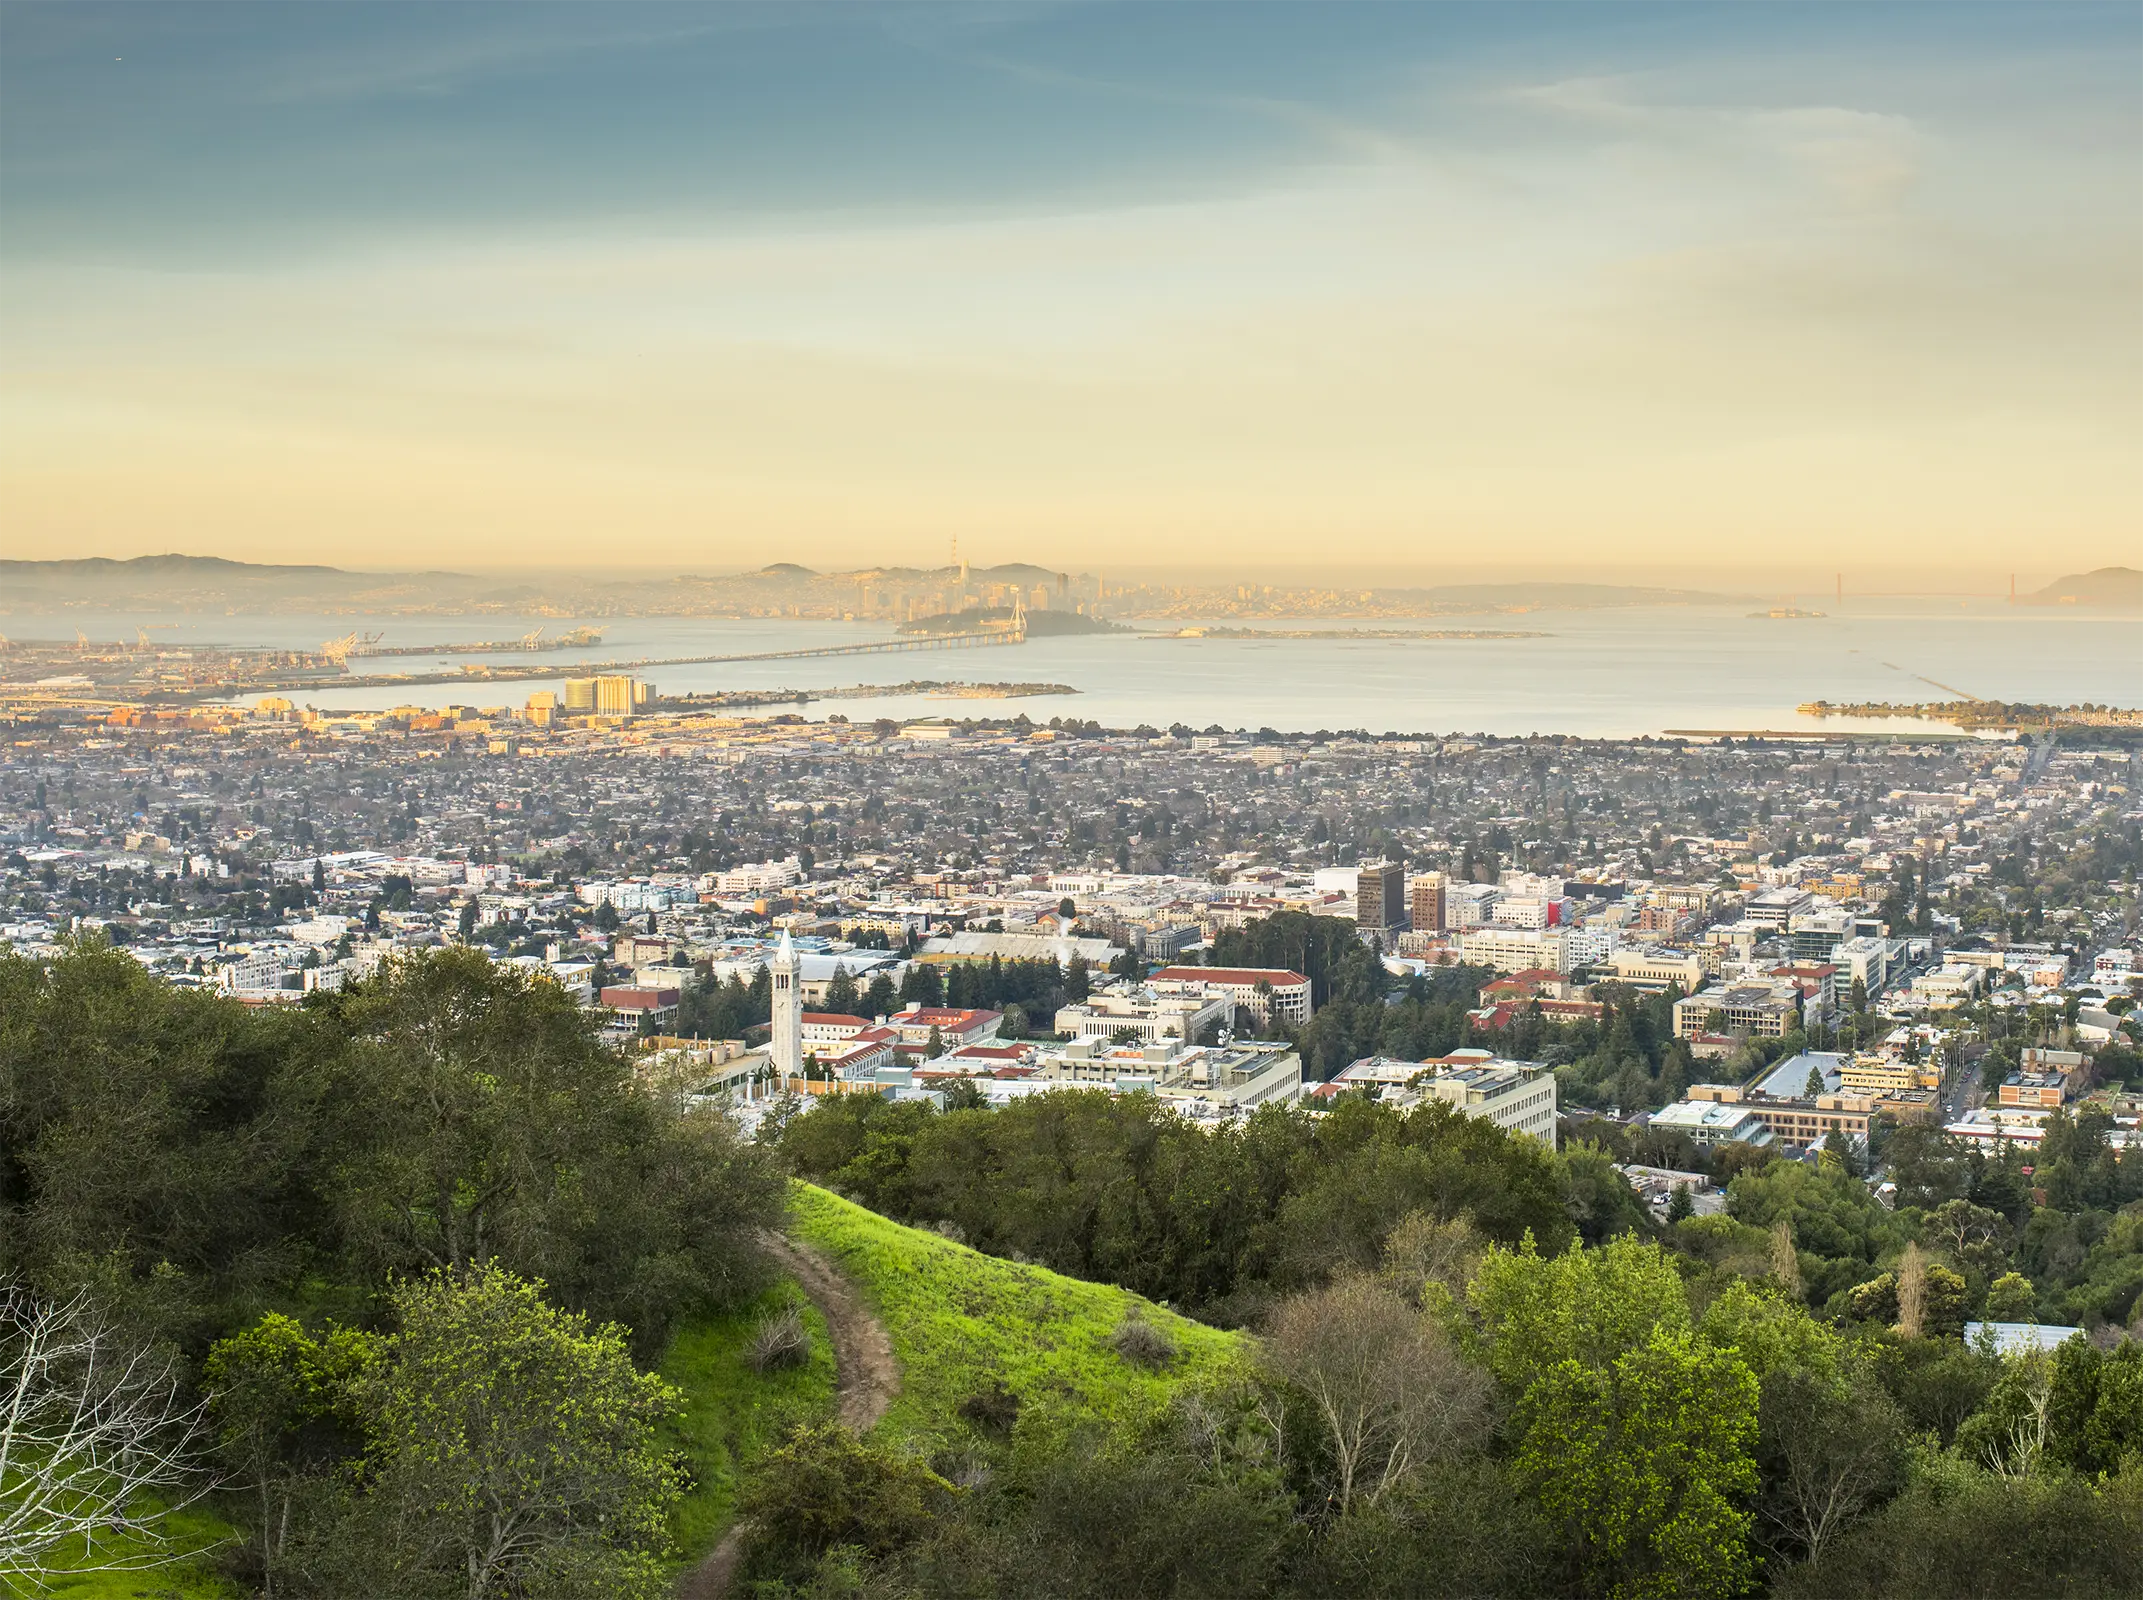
(785, 1045)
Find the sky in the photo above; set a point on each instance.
(1434, 290)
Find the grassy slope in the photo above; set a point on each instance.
(194, 1579)
(732, 1413)
(960, 1320)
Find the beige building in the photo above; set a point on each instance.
(1265, 992)
(1798, 1121)
(1199, 1081)
(1882, 1074)
(1516, 949)
(1657, 970)
(1516, 1095)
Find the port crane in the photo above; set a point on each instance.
(350, 644)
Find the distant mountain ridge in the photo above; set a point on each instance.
(193, 583)
(2115, 588)
(189, 583)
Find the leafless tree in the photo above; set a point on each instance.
(1785, 1260)
(98, 1445)
(1428, 1262)
(2019, 1453)
(1835, 1447)
(1390, 1393)
(1912, 1293)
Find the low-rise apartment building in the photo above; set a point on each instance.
(1759, 1010)
(1515, 949)
(1656, 970)
(1707, 1122)
(1265, 992)
(1797, 1121)
(1515, 1095)
(1148, 1015)
(1883, 1074)
(1201, 1080)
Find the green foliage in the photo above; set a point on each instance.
(488, 1121)
(1838, 1228)
(1968, 1535)
(1647, 1461)
(165, 1140)
(2094, 1407)
(1123, 1189)
(961, 1321)
(1535, 1312)
(1191, 1505)
(1635, 1434)
(284, 1406)
(825, 1487)
(733, 1414)
(1773, 1334)
(2011, 1298)
(511, 1445)
(1462, 1529)
(201, 1161)
(1599, 1199)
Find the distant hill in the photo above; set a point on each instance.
(199, 583)
(2108, 588)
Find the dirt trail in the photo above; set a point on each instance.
(866, 1379)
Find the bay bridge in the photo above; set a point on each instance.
(973, 639)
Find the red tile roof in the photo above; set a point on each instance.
(1248, 977)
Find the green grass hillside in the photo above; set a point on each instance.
(734, 1413)
(193, 1577)
(961, 1322)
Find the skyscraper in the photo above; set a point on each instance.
(1380, 895)
(1427, 907)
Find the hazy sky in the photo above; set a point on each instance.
(1439, 288)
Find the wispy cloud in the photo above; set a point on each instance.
(1864, 160)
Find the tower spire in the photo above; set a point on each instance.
(785, 1038)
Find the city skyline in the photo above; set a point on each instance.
(1440, 290)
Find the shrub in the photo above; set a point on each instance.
(826, 1487)
(993, 1410)
(782, 1340)
(1141, 1343)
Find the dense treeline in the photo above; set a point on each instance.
(344, 1205)
(1484, 1370)
(203, 1160)
(412, 1245)
(1215, 1221)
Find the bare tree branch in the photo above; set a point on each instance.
(94, 1424)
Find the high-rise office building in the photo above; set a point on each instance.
(1380, 895)
(614, 695)
(580, 696)
(1426, 902)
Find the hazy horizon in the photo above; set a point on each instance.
(1862, 582)
(1471, 293)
